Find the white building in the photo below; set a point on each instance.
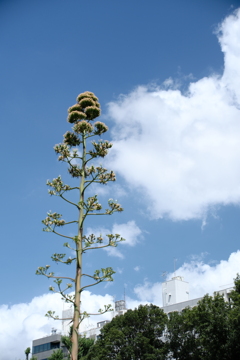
(175, 291)
(175, 295)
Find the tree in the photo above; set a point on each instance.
(57, 355)
(74, 151)
(234, 319)
(201, 332)
(27, 352)
(84, 344)
(138, 334)
(180, 335)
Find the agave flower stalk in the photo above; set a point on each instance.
(74, 151)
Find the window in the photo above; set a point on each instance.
(45, 347)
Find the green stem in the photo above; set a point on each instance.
(79, 251)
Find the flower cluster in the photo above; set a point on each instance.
(87, 108)
(92, 239)
(114, 206)
(104, 274)
(58, 186)
(52, 220)
(42, 270)
(93, 204)
(83, 126)
(101, 148)
(59, 258)
(75, 116)
(75, 171)
(63, 150)
(71, 139)
(100, 174)
(105, 177)
(100, 128)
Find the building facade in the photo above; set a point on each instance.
(175, 295)
(43, 348)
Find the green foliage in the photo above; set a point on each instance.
(57, 355)
(135, 335)
(27, 351)
(201, 332)
(209, 331)
(84, 344)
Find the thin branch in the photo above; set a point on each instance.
(70, 202)
(64, 262)
(89, 183)
(72, 188)
(96, 247)
(93, 157)
(58, 277)
(100, 214)
(70, 222)
(65, 236)
(100, 313)
(57, 318)
(66, 298)
(91, 276)
(87, 286)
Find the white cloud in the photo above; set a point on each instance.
(129, 231)
(182, 151)
(137, 268)
(202, 278)
(103, 190)
(119, 270)
(22, 323)
(149, 292)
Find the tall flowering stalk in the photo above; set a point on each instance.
(74, 151)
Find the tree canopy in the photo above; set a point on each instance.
(209, 331)
(138, 334)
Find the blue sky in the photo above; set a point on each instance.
(166, 74)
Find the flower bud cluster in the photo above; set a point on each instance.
(59, 258)
(104, 178)
(104, 274)
(58, 186)
(51, 314)
(101, 148)
(71, 139)
(93, 204)
(92, 239)
(102, 175)
(83, 126)
(87, 108)
(63, 150)
(42, 270)
(100, 128)
(75, 171)
(75, 116)
(52, 220)
(114, 206)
